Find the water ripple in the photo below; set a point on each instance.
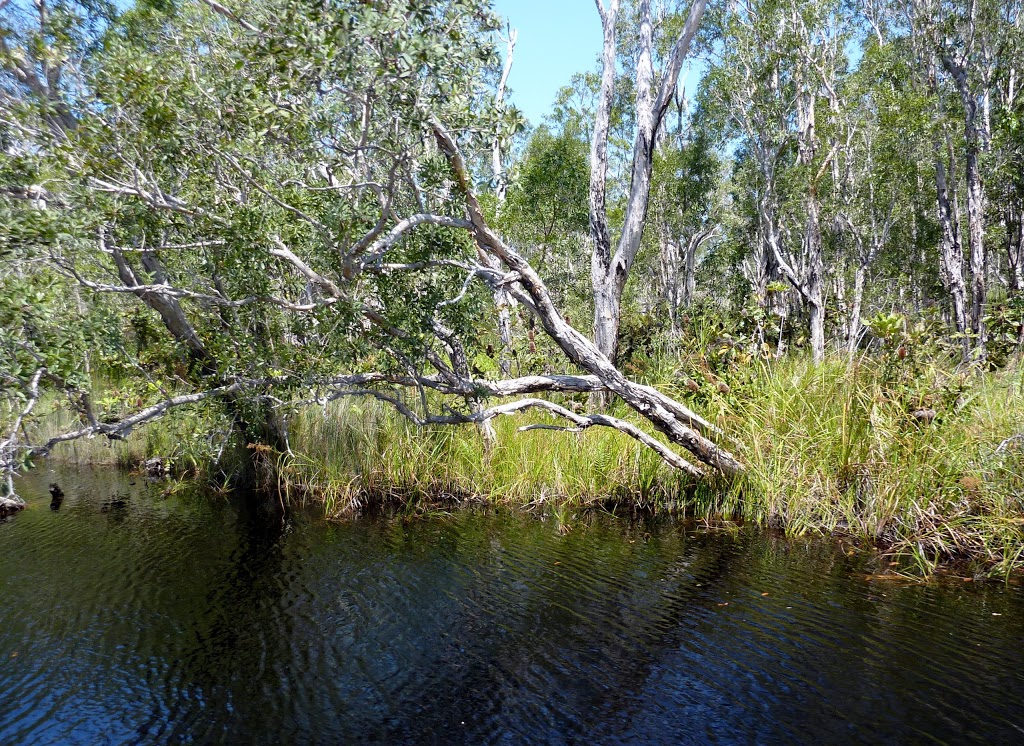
(132, 617)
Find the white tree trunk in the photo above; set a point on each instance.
(503, 302)
(975, 200)
(853, 333)
(814, 285)
(950, 252)
(610, 272)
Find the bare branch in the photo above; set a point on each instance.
(221, 10)
(649, 403)
(379, 247)
(123, 427)
(582, 422)
(316, 278)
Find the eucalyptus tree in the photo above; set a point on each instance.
(962, 50)
(967, 39)
(285, 186)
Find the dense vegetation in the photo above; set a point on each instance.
(310, 238)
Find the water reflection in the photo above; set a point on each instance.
(129, 616)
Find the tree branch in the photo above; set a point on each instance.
(649, 403)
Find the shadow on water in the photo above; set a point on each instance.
(130, 616)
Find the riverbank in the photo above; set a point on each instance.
(924, 464)
(923, 461)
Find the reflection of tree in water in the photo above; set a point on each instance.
(550, 648)
(239, 636)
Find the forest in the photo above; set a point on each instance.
(315, 247)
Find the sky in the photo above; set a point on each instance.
(557, 38)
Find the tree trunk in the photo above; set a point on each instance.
(814, 286)
(859, 276)
(609, 273)
(606, 307)
(815, 280)
(690, 269)
(951, 254)
(502, 301)
(975, 201)
(1014, 244)
(607, 296)
(668, 263)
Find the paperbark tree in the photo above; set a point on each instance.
(610, 269)
(783, 58)
(300, 223)
(502, 302)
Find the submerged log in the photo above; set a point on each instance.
(56, 496)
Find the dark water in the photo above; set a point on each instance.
(128, 617)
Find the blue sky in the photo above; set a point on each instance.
(556, 39)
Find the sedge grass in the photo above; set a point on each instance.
(832, 448)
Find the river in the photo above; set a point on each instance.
(132, 616)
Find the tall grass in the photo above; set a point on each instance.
(829, 448)
(837, 447)
(353, 453)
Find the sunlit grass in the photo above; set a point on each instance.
(833, 448)
(829, 449)
(354, 452)
(837, 448)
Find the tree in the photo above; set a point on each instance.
(767, 82)
(609, 271)
(687, 210)
(285, 187)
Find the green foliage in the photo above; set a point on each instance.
(1005, 325)
(196, 147)
(886, 326)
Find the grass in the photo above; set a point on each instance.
(357, 453)
(833, 448)
(836, 448)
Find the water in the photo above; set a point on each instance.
(132, 617)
